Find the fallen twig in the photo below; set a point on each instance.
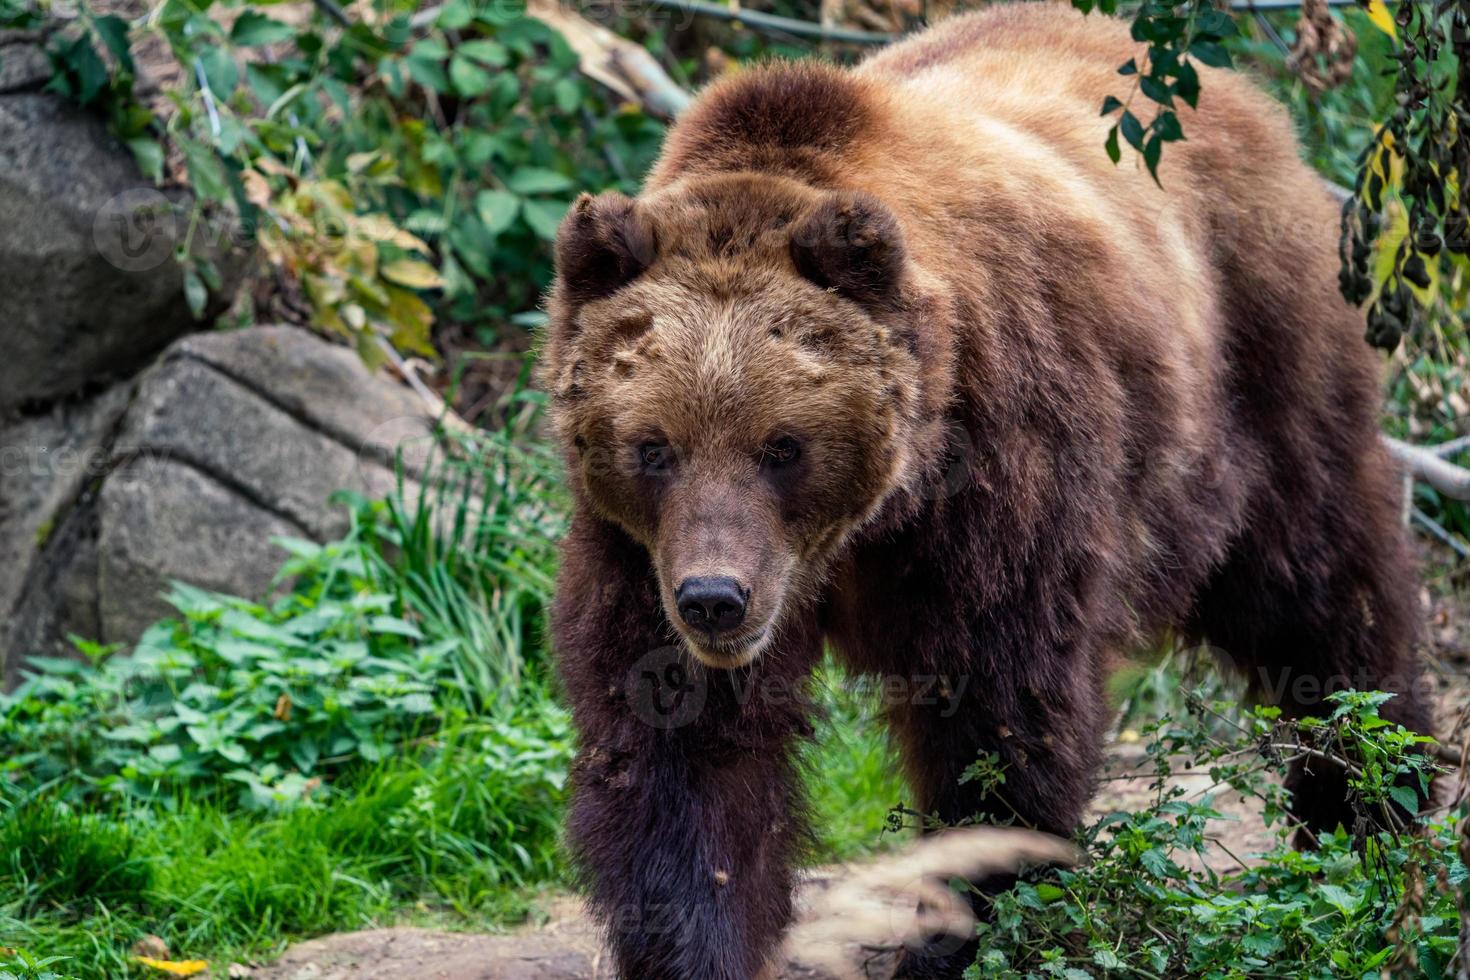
(1451, 447)
(1450, 754)
(774, 24)
(437, 407)
(332, 10)
(1438, 531)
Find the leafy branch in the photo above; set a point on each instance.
(1178, 33)
(1417, 164)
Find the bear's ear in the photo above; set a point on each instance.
(603, 244)
(851, 243)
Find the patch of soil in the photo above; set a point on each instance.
(424, 954)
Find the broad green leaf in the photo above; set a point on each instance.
(568, 94)
(113, 31)
(1132, 130)
(220, 71)
(497, 209)
(253, 28)
(1406, 797)
(205, 171)
(469, 78)
(456, 14)
(1211, 53)
(538, 180)
(148, 154)
(485, 51)
(543, 217)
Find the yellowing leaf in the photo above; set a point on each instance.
(413, 274)
(358, 162)
(410, 319)
(1381, 18)
(380, 229)
(257, 189)
(175, 968)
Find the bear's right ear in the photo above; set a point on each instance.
(603, 244)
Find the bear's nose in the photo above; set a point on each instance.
(715, 604)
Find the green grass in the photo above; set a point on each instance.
(464, 831)
(852, 771)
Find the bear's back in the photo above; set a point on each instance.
(1213, 287)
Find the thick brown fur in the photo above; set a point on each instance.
(1044, 407)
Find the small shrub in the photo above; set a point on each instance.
(1147, 903)
(21, 964)
(420, 618)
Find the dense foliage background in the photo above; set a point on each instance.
(383, 742)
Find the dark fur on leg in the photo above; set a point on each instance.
(686, 818)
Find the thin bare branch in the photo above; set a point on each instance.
(1427, 465)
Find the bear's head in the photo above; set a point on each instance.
(736, 379)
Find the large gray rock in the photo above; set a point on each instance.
(24, 67)
(89, 288)
(160, 520)
(186, 473)
(50, 466)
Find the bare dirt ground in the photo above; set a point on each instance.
(565, 945)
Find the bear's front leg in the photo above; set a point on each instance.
(686, 813)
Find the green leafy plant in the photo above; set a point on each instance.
(415, 621)
(378, 743)
(354, 151)
(21, 964)
(1423, 152)
(1148, 902)
(231, 689)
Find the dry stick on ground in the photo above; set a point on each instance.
(330, 8)
(436, 406)
(772, 24)
(1450, 753)
(624, 68)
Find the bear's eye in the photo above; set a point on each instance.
(655, 457)
(780, 452)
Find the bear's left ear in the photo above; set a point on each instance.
(603, 244)
(851, 243)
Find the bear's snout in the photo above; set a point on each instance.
(714, 604)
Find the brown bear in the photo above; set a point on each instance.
(896, 361)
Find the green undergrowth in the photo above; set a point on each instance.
(378, 743)
(1382, 897)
